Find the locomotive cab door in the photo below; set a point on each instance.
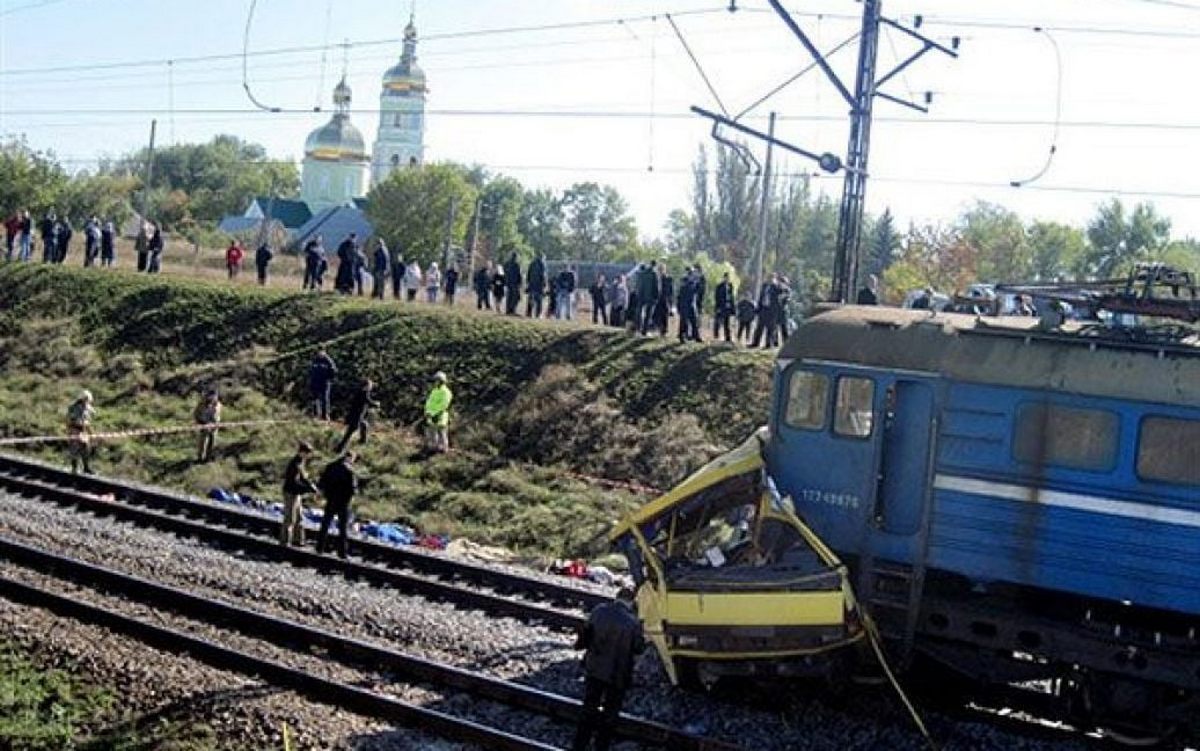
(907, 431)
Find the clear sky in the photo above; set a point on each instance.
(1129, 113)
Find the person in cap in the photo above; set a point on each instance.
(613, 639)
(296, 487)
(207, 415)
(437, 415)
(356, 417)
(79, 429)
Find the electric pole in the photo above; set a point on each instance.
(766, 204)
(149, 168)
(854, 188)
(449, 230)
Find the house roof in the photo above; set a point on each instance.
(334, 224)
(289, 212)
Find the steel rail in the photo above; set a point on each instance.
(346, 650)
(318, 689)
(434, 589)
(404, 557)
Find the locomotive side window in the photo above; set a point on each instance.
(855, 413)
(1169, 450)
(808, 395)
(1066, 437)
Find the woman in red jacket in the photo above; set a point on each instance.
(233, 258)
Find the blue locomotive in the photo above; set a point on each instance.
(1017, 502)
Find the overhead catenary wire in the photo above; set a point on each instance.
(1058, 100)
(696, 62)
(246, 62)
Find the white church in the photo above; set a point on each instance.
(334, 173)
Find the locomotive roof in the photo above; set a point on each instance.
(1002, 351)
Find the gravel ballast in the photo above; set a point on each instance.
(755, 717)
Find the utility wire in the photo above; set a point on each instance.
(246, 62)
(699, 68)
(794, 78)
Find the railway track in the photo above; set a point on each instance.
(308, 639)
(436, 577)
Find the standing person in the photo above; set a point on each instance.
(46, 227)
(154, 247)
(360, 269)
(599, 303)
(234, 255)
(62, 240)
(783, 305)
(262, 261)
(312, 254)
(512, 285)
(666, 296)
(142, 246)
(451, 284)
(701, 288)
(321, 372)
(108, 244)
(356, 417)
(26, 239)
(343, 281)
(498, 286)
(396, 264)
(745, 316)
(620, 302)
(765, 315)
(380, 265)
(536, 286)
(91, 242)
(612, 637)
(79, 431)
(296, 487)
(869, 294)
(433, 282)
(483, 297)
(647, 296)
(564, 298)
(437, 415)
(723, 308)
(12, 226)
(208, 414)
(412, 280)
(338, 484)
(685, 304)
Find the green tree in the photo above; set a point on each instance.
(1057, 249)
(219, 177)
(410, 207)
(882, 244)
(734, 220)
(104, 196)
(540, 222)
(1182, 254)
(701, 220)
(500, 210)
(681, 232)
(1117, 241)
(598, 225)
(997, 235)
(29, 179)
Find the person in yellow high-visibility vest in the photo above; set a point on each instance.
(437, 415)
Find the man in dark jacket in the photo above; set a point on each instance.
(63, 232)
(685, 304)
(512, 285)
(768, 314)
(396, 264)
(46, 228)
(612, 637)
(701, 289)
(450, 284)
(745, 317)
(347, 262)
(262, 260)
(599, 292)
(536, 280)
(666, 296)
(482, 282)
(647, 291)
(723, 308)
(380, 263)
(356, 418)
(314, 256)
(564, 294)
(320, 381)
(338, 484)
(296, 486)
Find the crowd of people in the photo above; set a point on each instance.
(643, 301)
(54, 234)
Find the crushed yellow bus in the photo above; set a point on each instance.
(731, 582)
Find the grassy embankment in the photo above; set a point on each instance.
(534, 400)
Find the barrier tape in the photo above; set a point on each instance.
(137, 433)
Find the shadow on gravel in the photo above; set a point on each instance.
(177, 724)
